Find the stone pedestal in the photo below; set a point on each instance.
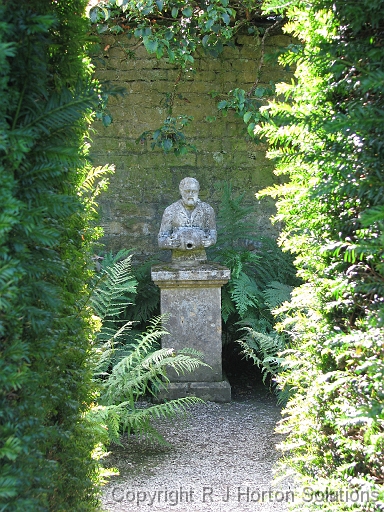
(191, 299)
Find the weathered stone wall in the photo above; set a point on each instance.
(146, 180)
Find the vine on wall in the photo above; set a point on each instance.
(179, 31)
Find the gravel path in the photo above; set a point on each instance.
(220, 459)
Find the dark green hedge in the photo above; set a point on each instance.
(46, 103)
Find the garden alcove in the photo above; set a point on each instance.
(146, 180)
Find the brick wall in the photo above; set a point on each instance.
(146, 180)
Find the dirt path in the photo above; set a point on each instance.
(220, 460)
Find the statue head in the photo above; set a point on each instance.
(189, 190)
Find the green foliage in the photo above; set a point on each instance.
(248, 105)
(170, 137)
(128, 370)
(172, 30)
(111, 294)
(262, 278)
(264, 351)
(326, 135)
(169, 28)
(138, 370)
(178, 31)
(260, 272)
(142, 301)
(47, 212)
(146, 302)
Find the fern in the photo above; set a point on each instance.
(111, 348)
(130, 370)
(147, 302)
(133, 376)
(255, 263)
(144, 302)
(231, 217)
(276, 293)
(137, 419)
(136, 374)
(245, 293)
(95, 182)
(111, 293)
(263, 350)
(262, 278)
(227, 305)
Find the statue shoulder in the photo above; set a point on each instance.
(173, 207)
(206, 207)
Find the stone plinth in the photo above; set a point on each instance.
(191, 300)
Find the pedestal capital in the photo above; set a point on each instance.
(190, 276)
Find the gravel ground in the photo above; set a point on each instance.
(221, 458)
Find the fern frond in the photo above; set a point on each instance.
(109, 418)
(147, 299)
(230, 219)
(262, 324)
(227, 305)
(140, 364)
(263, 350)
(160, 361)
(245, 293)
(109, 259)
(133, 378)
(138, 421)
(276, 293)
(112, 347)
(109, 298)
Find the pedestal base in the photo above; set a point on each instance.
(208, 391)
(191, 303)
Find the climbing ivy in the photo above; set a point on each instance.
(170, 137)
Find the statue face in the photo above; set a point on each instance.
(190, 195)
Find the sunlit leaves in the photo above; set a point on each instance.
(170, 136)
(326, 139)
(169, 27)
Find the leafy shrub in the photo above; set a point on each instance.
(46, 219)
(326, 136)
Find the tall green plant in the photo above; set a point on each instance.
(130, 369)
(46, 218)
(262, 278)
(326, 136)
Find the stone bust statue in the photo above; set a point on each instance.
(188, 226)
